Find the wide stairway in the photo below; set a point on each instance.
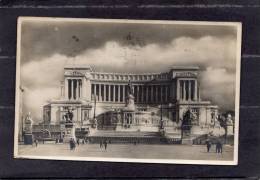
(127, 137)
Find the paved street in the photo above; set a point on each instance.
(194, 152)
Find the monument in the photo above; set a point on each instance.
(28, 137)
(69, 126)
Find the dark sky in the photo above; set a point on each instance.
(136, 47)
(69, 38)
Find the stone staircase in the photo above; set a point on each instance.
(127, 137)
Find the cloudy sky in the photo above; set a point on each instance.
(125, 47)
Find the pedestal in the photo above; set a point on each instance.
(69, 132)
(28, 139)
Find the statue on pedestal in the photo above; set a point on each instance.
(130, 103)
(69, 127)
(28, 137)
(69, 116)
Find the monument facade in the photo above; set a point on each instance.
(149, 102)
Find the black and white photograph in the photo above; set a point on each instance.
(145, 91)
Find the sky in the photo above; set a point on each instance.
(47, 46)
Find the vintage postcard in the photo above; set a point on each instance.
(127, 90)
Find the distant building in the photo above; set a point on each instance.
(162, 101)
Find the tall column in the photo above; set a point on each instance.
(76, 89)
(137, 94)
(189, 82)
(119, 93)
(66, 85)
(161, 98)
(114, 93)
(178, 89)
(105, 92)
(72, 88)
(109, 92)
(156, 93)
(80, 88)
(142, 93)
(147, 94)
(166, 93)
(195, 90)
(95, 91)
(184, 90)
(99, 93)
(123, 93)
(152, 96)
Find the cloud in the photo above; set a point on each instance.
(214, 55)
(35, 98)
(218, 85)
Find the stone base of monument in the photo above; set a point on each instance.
(69, 133)
(28, 139)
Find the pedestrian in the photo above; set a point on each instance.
(217, 147)
(105, 144)
(74, 144)
(78, 142)
(71, 144)
(208, 144)
(100, 144)
(36, 142)
(83, 141)
(220, 147)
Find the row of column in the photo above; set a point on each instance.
(187, 90)
(142, 93)
(73, 88)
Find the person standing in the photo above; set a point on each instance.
(36, 142)
(74, 144)
(71, 144)
(78, 142)
(220, 147)
(217, 147)
(105, 144)
(100, 144)
(208, 144)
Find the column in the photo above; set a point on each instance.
(147, 95)
(95, 91)
(66, 85)
(99, 93)
(119, 93)
(109, 92)
(72, 88)
(80, 84)
(161, 99)
(184, 90)
(123, 93)
(142, 93)
(114, 93)
(166, 93)
(156, 93)
(105, 92)
(195, 90)
(189, 95)
(137, 94)
(76, 89)
(178, 89)
(152, 96)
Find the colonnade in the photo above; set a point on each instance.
(187, 90)
(142, 93)
(73, 90)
